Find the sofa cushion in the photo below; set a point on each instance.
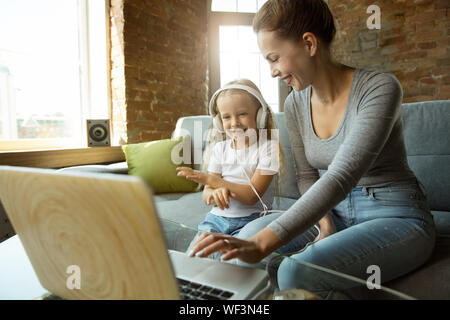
(442, 222)
(168, 196)
(288, 181)
(433, 171)
(282, 203)
(154, 162)
(197, 127)
(118, 167)
(428, 148)
(430, 281)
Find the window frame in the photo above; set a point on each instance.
(215, 20)
(56, 153)
(85, 92)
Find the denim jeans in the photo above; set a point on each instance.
(390, 227)
(219, 224)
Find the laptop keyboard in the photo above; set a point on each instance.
(196, 291)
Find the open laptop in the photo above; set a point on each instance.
(98, 236)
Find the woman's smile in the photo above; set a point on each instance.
(287, 79)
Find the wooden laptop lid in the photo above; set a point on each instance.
(103, 224)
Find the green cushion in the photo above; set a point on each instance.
(152, 162)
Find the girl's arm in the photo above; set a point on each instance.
(220, 196)
(206, 193)
(243, 192)
(207, 190)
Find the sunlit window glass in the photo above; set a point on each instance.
(39, 51)
(237, 5)
(224, 5)
(246, 5)
(241, 58)
(53, 69)
(261, 3)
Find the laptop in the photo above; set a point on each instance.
(98, 236)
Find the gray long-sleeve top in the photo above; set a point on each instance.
(367, 149)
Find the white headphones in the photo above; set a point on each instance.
(261, 116)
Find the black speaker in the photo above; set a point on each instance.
(98, 132)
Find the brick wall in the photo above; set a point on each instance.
(159, 56)
(413, 43)
(158, 66)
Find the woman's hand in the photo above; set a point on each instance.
(198, 176)
(326, 226)
(250, 250)
(221, 196)
(228, 246)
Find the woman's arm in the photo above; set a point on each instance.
(378, 111)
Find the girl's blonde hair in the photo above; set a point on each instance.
(216, 136)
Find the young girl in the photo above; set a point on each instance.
(245, 152)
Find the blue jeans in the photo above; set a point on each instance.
(390, 227)
(219, 224)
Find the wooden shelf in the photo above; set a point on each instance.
(58, 158)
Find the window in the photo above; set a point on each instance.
(237, 5)
(241, 58)
(53, 72)
(234, 51)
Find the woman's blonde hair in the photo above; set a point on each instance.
(216, 136)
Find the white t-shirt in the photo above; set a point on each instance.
(230, 163)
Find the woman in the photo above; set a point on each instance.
(347, 121)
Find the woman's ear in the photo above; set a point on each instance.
(310, 42)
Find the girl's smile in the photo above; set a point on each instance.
(238, 114)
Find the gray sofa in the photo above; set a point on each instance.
(426, 126)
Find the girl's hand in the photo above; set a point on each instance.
(194, 175)
(221, 196)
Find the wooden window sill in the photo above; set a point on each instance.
(58, 158)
